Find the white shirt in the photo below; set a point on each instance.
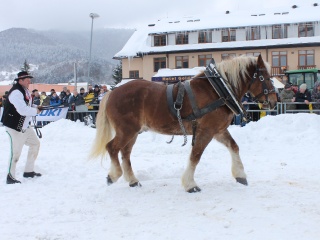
(17, 99)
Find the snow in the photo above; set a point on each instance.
(6, 82)
(139, 43)
(167, 72)
(72, 201)
(277, 83)
(123, 81)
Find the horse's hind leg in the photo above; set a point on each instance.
(113, 147)
(126, 164)
(237, 168)
(115, 172)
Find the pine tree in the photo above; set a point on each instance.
(25, 66)
(117, 73)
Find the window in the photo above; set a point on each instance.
(309, 79)
(182, 62)
(296, 78)
(204, 60)
(159, 63)
(306, 58)
(279, 31)
(254, 54)
(182, 38)
(205, 37)
(134, 74)
(226, 56)
(160, 40)
(253, 33)
(279, 59)
(228, 35)
(306, 30)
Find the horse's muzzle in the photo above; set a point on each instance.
(270, 105)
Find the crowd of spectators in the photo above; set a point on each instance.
(295, 98)
(79, 104)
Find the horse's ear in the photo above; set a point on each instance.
(260, 61)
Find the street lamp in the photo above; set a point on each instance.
(93, 16)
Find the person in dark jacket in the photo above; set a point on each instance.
(36, 98)
(77, 101)
(303, 96)
(315, 96)
(16, 119)
(287, 95)
(65, 100)
(63, 93)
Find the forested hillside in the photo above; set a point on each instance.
(55, 52)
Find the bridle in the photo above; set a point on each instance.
(265, 90)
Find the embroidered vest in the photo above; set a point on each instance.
(11, 118)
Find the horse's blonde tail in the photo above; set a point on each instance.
(103, 131)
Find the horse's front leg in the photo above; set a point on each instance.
(237, 168)
(188, 176)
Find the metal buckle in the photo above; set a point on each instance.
(177, 108)
(261, 78)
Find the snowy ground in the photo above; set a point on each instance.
(72, 201)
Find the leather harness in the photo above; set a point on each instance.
(223, 89)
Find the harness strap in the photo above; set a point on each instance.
(192, 99)
(170, 99)
(180, 96)
(199, 112)
(222, 88)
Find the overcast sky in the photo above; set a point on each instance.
(74, 14)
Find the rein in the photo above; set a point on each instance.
(34, 120)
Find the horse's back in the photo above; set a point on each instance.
(138, 102)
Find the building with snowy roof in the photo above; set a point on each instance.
(288, 38)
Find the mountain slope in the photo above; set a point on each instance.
(54, 52)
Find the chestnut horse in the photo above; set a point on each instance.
(142, 105)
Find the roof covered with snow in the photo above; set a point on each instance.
(138, 42)
(167, 72)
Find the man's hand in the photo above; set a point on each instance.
(39, 109)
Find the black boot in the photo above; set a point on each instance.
(11, 180)
(31, 174)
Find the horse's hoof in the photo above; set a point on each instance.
(136, 184)
(109, 181)
(194, 189)
(242, 181)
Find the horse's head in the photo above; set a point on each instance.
(261, 86)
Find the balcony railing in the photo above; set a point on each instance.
(275, 71)
(307, 67)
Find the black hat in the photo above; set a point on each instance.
(96, 86)
(23, 75)
(288, 85)
(81, 88)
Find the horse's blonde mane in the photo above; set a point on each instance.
(234, 68)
